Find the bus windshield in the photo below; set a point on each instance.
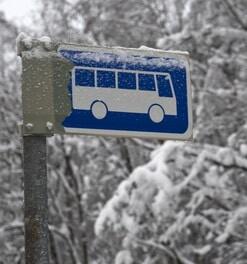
(164, 86)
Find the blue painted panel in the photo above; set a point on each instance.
(84, 77)
(146, 82)
(126, 80)
(126, 121)
(106, 79)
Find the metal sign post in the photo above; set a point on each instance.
(35, 200)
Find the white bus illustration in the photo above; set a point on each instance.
(103, 90)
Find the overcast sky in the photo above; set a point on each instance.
(18, 10)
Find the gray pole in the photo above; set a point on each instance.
(35, 200)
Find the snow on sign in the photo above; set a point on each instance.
(128, 92)
(68, 88)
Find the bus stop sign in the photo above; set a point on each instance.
(76, 89)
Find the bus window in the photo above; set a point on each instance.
(126, 80)
(106, 79)
(84, 77)
(164, 86)
(146, 82)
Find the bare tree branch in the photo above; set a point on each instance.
(230, 7)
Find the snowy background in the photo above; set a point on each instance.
(133, 201)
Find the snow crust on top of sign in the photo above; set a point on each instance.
(27, 40)
(47, 41)
(142, 47)
(123, 56)
(22, 37)
(160, 50)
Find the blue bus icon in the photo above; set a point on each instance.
(101, 90)
(128, 92)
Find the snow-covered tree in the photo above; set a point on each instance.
(111, 22)
(187, 205)
(11, 196)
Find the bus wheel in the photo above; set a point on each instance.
(156, 113)
(99, 109)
